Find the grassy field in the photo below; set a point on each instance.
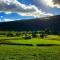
(13, 52)
(50, 39)
(26, 52)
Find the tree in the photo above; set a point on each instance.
(34, 35)
(10, 34)
(18, 34)
(27, 36)
(42, 35)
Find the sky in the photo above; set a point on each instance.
(11, 10)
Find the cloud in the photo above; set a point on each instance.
(56, 2)
(53, 3)
(38, 14)
(6, 20)
(14, 6)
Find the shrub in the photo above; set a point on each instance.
(42, 35)
(34, 35)
(18, 34)
(10, 34)
(27, 37)
(1, 33)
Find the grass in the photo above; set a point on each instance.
(20, 52)
(13, 52)
(34, 41)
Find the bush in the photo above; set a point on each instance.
(34, 35)
(10, 34)
(18, 34)
(42, 35)
(27, 37)
(1, 33)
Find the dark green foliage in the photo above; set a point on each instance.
(27, 37)
(42, 35)
(9, 34)
(48, 31)
(18, 34)
(34, 34)
(3, 33)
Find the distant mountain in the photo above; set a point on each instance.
(52, 23)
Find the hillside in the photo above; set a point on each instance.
(52, 23)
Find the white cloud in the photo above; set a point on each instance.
(7, 12)
(13, 6)
(52, 3)
(38, 14)
(6, 20)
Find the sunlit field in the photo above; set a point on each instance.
(14, 52)
(24, 47)
(34, 41)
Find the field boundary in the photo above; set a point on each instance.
(6, 43)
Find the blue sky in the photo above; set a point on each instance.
(28, 9)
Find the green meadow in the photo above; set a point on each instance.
(14, 52)
(19, 48)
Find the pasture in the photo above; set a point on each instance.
(19, 48)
